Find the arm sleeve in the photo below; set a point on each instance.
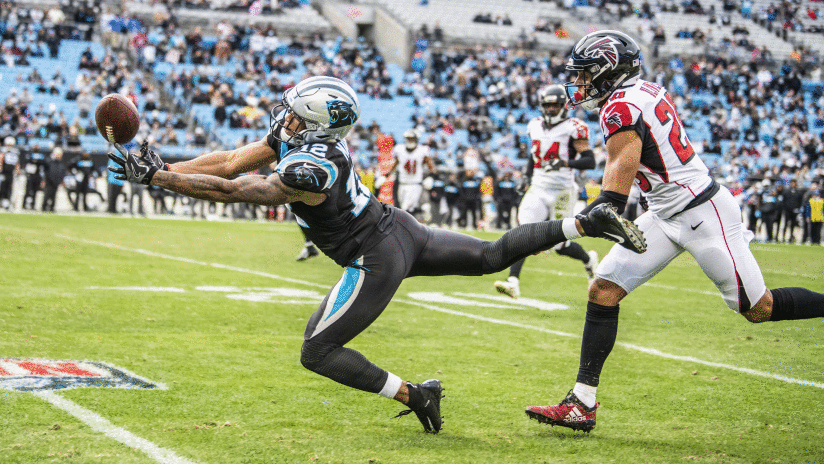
(585, 160)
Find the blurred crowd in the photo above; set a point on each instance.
(759, 143)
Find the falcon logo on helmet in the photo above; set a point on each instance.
(604, 61)
(606, 48)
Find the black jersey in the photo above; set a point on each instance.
(348, 222)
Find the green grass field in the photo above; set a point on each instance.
(679, 386)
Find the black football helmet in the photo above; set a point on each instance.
(611, 58)
(553, 101)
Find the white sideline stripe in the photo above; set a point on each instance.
(630, 346)
(100, 424)
(642, 349)
(192, 261)
(143, 289)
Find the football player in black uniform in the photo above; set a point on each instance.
(378, 245)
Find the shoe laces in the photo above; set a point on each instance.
(403, 413)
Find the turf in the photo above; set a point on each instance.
(238, 394)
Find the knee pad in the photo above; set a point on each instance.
(312, 353)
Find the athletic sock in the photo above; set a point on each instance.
(600, 330)
(392, 386)
(585, 393)
(794, 303)
(515, 269)
(574, 251)
(519, 243)
(570, 228)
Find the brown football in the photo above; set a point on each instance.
(117, 118)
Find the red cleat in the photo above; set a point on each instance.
(570, 412)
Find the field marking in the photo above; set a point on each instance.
(99, 424)
(650, 351)
(140, 289)
(642, 349)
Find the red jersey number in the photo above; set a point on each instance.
(411, 166)
(665, 111)
(550, 154)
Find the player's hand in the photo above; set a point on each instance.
(523, 186)
(149, 157)
(642, 200)
(554, 164)
(130, 167)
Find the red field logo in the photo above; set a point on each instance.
(45, 374)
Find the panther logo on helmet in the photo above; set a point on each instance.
(340, 114)
(606, 48)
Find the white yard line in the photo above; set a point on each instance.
(100, 424)
(650, 351)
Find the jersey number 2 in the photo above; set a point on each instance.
(665, 111)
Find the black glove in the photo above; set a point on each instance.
(148, 156)
(131, 168)
(554, 164)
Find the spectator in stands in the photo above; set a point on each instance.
(84, 103)
(169, 137)
(72, 141)
(200, 137)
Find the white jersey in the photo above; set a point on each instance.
(670, 174)
(549, 144)
(410, 163)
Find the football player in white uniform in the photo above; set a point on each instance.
(409, 161)
(688, 211)
(556, 140)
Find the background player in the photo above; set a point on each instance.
(559, 144)
(409, 161)
(688, 211)
(379, 245)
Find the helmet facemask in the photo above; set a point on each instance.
(287, 126)
(554, 113)
(604, 61)
(411, 138)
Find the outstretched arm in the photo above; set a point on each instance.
(260, 190)
(229, 164)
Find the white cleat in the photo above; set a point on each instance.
(591, 265)
(509, 287)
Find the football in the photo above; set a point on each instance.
(117, 118)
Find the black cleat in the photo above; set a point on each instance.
(603, 221)
(427, 404)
